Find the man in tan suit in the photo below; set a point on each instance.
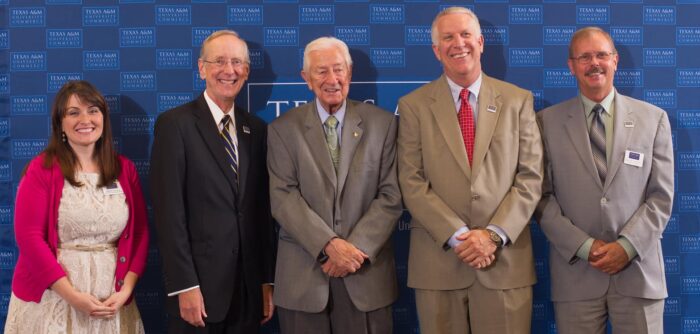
(334, 191)
(608, 195)
(470, 171)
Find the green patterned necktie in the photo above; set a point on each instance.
(332, 140)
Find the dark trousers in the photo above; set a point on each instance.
(340, 317)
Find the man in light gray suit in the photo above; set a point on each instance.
(334, 191)
(608, 194)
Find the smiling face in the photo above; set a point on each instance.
(458, 47)
(82, 124)
(224, 82)
(595, 79)
(328, 76)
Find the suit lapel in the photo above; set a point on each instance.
(485, 123)
(577, 129)
(443, 109)
(316, 140)
(210, 133)
(352, 134)
(621, 136)
(243, 135)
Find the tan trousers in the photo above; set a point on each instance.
(474, 310)
(628, 315)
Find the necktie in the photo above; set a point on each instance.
(331, 124)
(466, 123)
(597, 135)
(227, 137)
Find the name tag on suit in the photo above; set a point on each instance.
(633, 158)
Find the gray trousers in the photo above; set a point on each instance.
(340, 317)
(628, 315)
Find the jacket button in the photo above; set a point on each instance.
(126, 235)
(122, 259)
(120, 282)
(603, 200)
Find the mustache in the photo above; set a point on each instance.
(595, 70)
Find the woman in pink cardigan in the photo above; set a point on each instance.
(80, 224)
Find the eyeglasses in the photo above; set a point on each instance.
(221, 62)
(586, 58)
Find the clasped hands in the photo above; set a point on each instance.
(476, 249)
(343, 258)
(609, 257)
(92, 306)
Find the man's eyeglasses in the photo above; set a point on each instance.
(221, 62)
(586, 58)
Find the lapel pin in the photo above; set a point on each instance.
(629, 124)
(355, 134)
(246, 129)
(491, 108)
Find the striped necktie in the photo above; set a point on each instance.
(597, 136)
(227, 137)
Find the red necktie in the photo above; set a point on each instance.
(466, 123)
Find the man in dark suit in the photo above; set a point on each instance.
(334, 192)
(211, 202)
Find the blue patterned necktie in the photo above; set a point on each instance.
(227, 137)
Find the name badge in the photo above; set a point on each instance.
(112, 189)
(633, 158)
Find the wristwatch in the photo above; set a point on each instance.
(495, 238)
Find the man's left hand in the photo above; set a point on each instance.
(610, 258)
(268, 305)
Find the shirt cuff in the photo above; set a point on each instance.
(500, 233)
(181, 291)
(585, 249)
(453, 242)
(629, 249)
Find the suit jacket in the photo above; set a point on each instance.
(634, 202)
(443, 192)
(209, 229)
(361, 204)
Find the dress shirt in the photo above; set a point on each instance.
(339, 115)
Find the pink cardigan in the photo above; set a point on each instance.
(36, 221)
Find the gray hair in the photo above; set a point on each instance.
(323, 43)
(588, 31)
(452, 10)
(220, 33)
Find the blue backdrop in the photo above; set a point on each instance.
(142, 55)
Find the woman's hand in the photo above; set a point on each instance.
(89, 304)
(117, 299)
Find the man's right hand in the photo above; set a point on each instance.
(343, 258)
(192, 307)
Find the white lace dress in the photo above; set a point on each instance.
(89, 224)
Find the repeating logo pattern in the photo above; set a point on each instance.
(142, 54)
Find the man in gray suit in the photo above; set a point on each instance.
(334, 192)
(608, 194)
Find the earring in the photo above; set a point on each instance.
(63, 137)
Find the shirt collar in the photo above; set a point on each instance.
(339, 114)
(216, 112)
(474, 88)
(607, 102)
